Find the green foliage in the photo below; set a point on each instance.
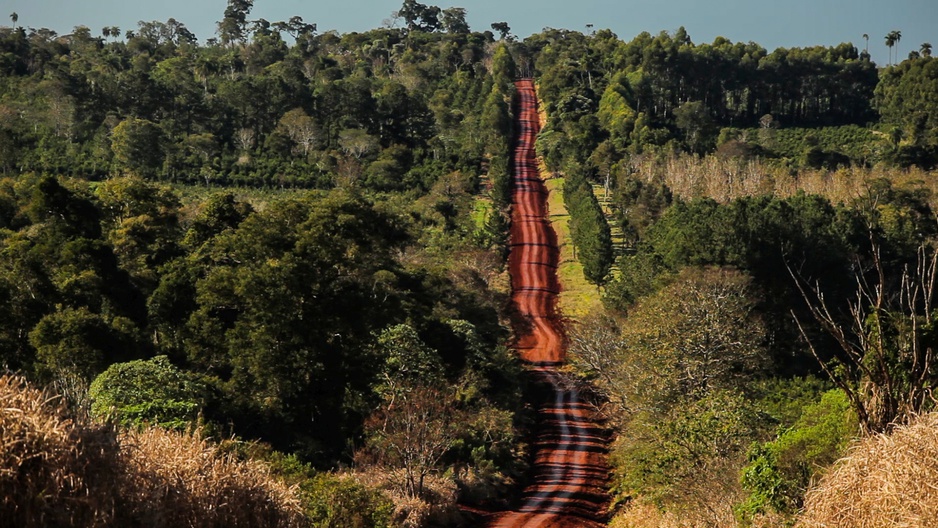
(638, 204)
(694, 120)
(779, 472)
(148, 392)
(666, 457)
(135, 143)
(615, 112)
(588, 227)
(641, 274)
(339, 502)
(82, 342)
(818, 147)
(905, 99)
(407, 358)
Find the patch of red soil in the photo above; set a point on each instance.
(567, 486)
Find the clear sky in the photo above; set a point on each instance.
(771, 23)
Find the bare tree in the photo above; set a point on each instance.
(356, 142)
(413, 431)
(300, 128)
(885, 361)
(244, 138)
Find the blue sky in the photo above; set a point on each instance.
(787, 23)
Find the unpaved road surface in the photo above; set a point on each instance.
(567, 487)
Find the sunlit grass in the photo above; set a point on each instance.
(577, 296)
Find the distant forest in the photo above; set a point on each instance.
(278, 104)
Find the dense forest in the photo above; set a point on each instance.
(297, 239)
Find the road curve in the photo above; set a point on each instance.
(567, 485)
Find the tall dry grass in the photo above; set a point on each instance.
(58, 470)
(178, 479)
(53, 471)
(885, 480)
(436, 506)
(725, 179)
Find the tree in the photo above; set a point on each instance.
(136, 146)
(697, 335)
(301, 129)
(454, 20)
(414, 431)
(153, 392)
(142, 224)
(694, 120)
(892, 39)
(926, 49)
(890, 42)
(356, 142)
(866, 37)
(78, 341)
(504, 30)
(898, 36)
(15, 18)
(233, 27)
(885, 362)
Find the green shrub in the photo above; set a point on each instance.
(341, 502)
(150, 391)
(779, 472)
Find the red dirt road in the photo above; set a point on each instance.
(567, 487)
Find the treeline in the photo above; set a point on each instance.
(589, 231)
(318, 325)
(266, 104)
(278, 311)
(611, 99)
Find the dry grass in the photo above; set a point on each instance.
(885, 480)
(179, 479)
(647, 515)
(725, 179)
(436, 507)
(51, 469)
(59, 471)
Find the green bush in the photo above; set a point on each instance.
(779, 472)
(337, 502)
(153, 392)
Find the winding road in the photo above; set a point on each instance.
(567, 485)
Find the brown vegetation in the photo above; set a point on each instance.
(885, 480)
(725, 179)
(59, 470)
(436, 506)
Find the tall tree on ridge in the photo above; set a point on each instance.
(233, 27)
(890, 42)
(898, 36)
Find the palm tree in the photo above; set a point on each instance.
(15, 18)
(867, 39)
(891, 40)
(898, 35)
(926, 49)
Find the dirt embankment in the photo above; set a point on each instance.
(567, 487)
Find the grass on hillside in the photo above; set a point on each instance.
(577, 297)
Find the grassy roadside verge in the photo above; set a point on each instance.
(577, 296)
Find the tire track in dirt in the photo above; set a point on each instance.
(567, 486)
